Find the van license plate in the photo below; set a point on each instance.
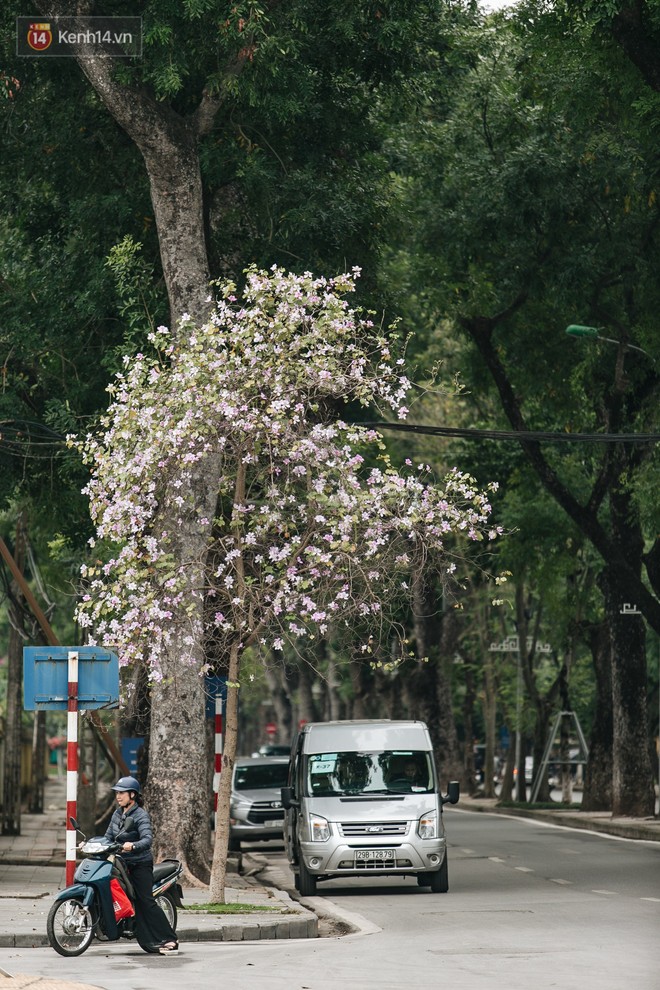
(274, 823)
(370, 854)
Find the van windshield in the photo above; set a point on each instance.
(386, 772)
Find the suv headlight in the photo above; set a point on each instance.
(319, 829)
(427, 827)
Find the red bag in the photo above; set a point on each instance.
(121, 901)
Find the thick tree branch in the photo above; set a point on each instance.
(632, 30)
(480, 329)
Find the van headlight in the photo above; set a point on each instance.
(319, 829)
(427, 827)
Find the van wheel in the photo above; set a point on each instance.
(440, 879)
(306, 881)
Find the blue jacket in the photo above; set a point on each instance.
(140, 833)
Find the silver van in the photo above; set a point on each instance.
(363, 799)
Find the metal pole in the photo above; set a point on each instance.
(217, 768)
(71, 766)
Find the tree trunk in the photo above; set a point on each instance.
(358, 703)
(334, 682)
(221, 846)
(306, 709)
(36, 801)
(543, 704)
(168, 143)
(468, 710)
(429, 685)
(177, 784)
(564, 757)
(597, 794)
(276, 680)
(11, 797)
(177, 788)
(622, 550)
(490, 723)
(632, 774)
(633, 29)
(506, 792)
(87, 778)
(136, 717)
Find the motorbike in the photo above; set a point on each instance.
(85, 910)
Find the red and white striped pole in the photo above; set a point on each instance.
(217, 766)
(71, 766)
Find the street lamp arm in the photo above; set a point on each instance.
(586, 520)
(578, 330)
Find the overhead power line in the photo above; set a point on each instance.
(27, 438)
(546, 435)
(17, 435)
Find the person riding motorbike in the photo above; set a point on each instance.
(151, 924)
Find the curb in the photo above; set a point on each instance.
(244, 931)
(338, 921)
(345, 923)
(294, 921)
(305, 927)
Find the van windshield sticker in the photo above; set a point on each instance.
(323, 766)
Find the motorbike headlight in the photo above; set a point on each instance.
(427, 827)
(94, 846)
(319, 829)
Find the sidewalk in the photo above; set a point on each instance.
(32, 870)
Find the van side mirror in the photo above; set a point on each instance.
(453, 792)
(288, 799)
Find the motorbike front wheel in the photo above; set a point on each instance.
(168, 907)
(70, 927)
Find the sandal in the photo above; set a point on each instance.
(169, 948)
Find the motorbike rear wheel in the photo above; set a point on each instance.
(70, 926)
(168, 907)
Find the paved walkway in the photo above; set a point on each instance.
(32, 871)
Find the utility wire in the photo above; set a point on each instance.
(551, 437)
(16, 435)
(27, 438)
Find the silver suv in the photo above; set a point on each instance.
(256, 799)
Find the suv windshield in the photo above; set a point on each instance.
(387, 772)
(252, 777)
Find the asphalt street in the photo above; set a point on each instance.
(32, 871)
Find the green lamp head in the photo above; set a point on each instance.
(577, 330)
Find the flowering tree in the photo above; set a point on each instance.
(312, 525)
